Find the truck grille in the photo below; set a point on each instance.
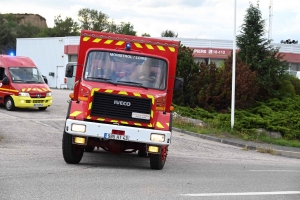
(106, 105)
(38, 101)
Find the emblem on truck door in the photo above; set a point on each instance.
(122, 103)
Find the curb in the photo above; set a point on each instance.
(290, 154)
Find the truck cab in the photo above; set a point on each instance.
(122, 98)
(22, 85)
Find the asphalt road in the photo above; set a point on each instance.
(32, 166)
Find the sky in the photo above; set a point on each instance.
(202, 19)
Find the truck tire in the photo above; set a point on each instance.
(43, 108)
(157, 161)
(72, 153)
(9, 104)
(89, 148)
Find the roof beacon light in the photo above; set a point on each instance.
(128, 46)
(11, 54)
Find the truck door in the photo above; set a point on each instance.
(4, 89)
(60, 75)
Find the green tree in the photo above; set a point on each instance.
(146, 35)
(62, 28)
(125, 28)
(187, 69)
(168, 33)
(112, 27)
(296, 83)
(7, 34)
(67, 27)
(91, 19)
(257, 52)
(27, 31)
(216, 86)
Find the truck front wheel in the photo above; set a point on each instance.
(157, 161)
(9, 104)
(72, 153)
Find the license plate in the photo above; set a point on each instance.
(38, 105)
(116, 137)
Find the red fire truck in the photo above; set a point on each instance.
(122, 98)
(22, 85)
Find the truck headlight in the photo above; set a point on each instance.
(48, 94)
(78, 128)
(157, 137)
(24, 94)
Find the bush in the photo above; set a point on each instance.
(296, 83)
(274, 115)
(216, 86)
(286, 89)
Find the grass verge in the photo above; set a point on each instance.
(218, 129)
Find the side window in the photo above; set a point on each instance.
(35, 72)
(2, 73)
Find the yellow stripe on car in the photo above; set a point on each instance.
(151, 97)
(159, 125)
(108, 41)
(138, 45)
(4, 89)
(120, 43)
(109, 91)
(161, 48)
(97, 40)
(74, 114)
(86, 39)
(172, 49)
(149, 46)
(123, 92)
(137, 94)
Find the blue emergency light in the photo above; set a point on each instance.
(11, 54)
(128, 46)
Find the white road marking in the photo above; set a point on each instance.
(242, 194)
(274, 170)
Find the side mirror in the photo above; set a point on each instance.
(45, 79)
(5, 81)
(69, 70)
(178, 83)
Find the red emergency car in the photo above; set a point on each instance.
(22, 85)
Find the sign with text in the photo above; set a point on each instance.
(211, 53)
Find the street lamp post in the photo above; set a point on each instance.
(233, 68)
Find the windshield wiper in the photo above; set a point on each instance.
(103, 79)
(31, 81)
(134, 83)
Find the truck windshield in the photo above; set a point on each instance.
(25, 75)
(128, 69)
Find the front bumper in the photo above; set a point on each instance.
(136, 134)
(28, 102)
